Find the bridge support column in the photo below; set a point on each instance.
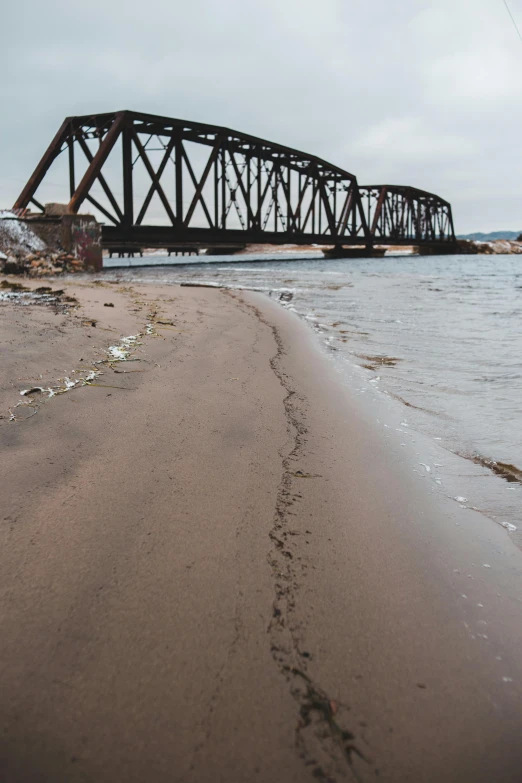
(81, 235)
(439, 249)
(60, 229)
(354, 252)
(224, 250)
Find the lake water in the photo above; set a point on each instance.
(438, 336)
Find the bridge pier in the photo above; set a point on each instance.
(121, 252)
(354, 252)
(224, 250)
(79, 234)
(189, 250)
(438, 249)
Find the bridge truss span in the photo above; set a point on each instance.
(398, 214)
(156, 182)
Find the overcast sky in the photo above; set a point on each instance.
(416, 92)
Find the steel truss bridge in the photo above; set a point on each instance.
(161, 182)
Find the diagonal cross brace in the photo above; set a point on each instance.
(270, 174)
(153, 187)
(378, 209)
(328, 209)
(300, 203)
(90, 157)
(364, 225)
(199, 189)
(310, 209)
(52, 152)
(102, 209)
(286, 191)
(345, 213)
(195, 182)
(246, 196)
(97, 162)
(154, 177)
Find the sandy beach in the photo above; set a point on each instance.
(212, 567)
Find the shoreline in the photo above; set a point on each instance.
(468, 458)
(330, 628)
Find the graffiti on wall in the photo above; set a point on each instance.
(86, 242)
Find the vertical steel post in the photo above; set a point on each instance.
(223, 186)
(249, 210)
(216, 192)
(72, 180)
(314, 196)
(335, 205)
(259, 192)
(319, 217)
(128, 198)
(298, 221)
(276, 199)
(179, 178)
(289, 193)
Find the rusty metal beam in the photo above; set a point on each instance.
(241, 186)
(90, 157)
(102, 209)
(128, 197)
(152, 189)
(201, 184)
(49, 156)
(345, 213)
(154, 177)
(329, 214)
(195, 183)
(378, 209)
(96, 165)
(311, 205)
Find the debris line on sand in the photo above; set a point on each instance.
(121, 352)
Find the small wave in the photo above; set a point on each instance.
(505, 470)
(417, 407)
(373, 362)
(501, 378)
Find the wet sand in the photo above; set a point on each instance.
(213, 569)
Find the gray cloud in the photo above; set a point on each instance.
(420, 92)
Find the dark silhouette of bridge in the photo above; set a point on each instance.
(178, 183)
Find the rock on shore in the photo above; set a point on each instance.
(494, 248)
(22, 252)
(40, 264)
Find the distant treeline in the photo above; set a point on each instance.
(492, 236)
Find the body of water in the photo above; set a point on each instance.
(439, 336)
